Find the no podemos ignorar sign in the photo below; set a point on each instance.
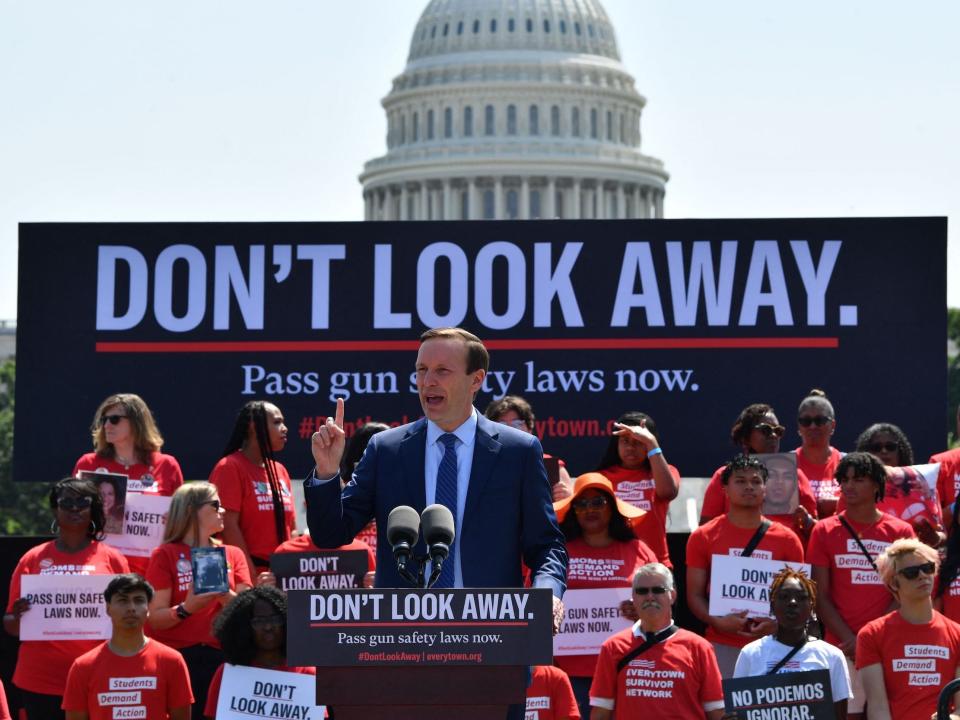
(420, 627)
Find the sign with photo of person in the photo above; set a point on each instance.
(783, 487)
(910, 493)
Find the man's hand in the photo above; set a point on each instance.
(760, 627)
(557, 614)
(732, 623)
(327, 444)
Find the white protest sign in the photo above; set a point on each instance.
(146, 517)
(247, 692)
(65, 607)
(738, 584)
(590, 617)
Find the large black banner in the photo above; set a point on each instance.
(688, 321)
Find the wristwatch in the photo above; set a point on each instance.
(181, 611)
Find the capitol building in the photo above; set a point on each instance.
(513, 109)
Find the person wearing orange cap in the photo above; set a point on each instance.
(603, 551)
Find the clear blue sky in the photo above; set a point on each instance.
(140, 111)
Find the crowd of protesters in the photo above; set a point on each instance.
(879, 584)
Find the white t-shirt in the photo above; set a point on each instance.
(760, 656)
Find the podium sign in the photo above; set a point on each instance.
(482, 626)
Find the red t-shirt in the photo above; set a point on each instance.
(948, 481)
(715, 502)
(42, 665)
(148, 684)
(170, 569)
(951, 600)
(213, 694)
(823, 485)
(637, 488)
(245, 488)
(5, 709)
(917, 661)
(305, 544)
(721, 537)
(855, 587)
(678, 676)
(161, 476)
(550, 695)
(608, 567)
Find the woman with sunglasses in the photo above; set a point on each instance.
(816, 458)
(253, 631)
(178, 617)
(78, 521)
(757, 431)
(603, 552)
(255, 488)
(126, 441)
(908, 495)
(913, 633)
(793, 596)
(638, 470)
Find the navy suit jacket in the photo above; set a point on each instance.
(508, 515)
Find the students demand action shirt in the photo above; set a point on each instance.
(856, 590)
(917, 661)
(638, 488)
(146, 685)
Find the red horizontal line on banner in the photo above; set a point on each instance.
(420, 624)
(228, 346)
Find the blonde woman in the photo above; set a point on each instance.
(178, 617)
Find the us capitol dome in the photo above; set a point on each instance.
(513, 109)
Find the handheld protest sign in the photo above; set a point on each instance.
(802, 695)
(146, 518)
(590, 617)
(783, 486)
(209, 569)
(250, 692)
(65, 607)
(320, 569)
(739, 584)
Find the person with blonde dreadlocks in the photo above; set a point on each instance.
(793, 597)
(254, 488)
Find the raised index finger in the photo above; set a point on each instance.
(338, 416)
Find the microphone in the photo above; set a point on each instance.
(438, 533)
(403, 528)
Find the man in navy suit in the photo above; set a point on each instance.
(503, 505)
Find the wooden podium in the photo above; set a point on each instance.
(425, 654)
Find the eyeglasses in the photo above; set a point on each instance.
(74, 503)
(883, 447)
(594, 503)
(819, 420)
(770, 430)
(112, 419)
(518, 423)
(267, 620)
(913, 572)
(656, 590)
(214, 503)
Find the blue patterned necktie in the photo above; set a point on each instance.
(447, 495)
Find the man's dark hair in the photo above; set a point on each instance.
(743, 462)
(864, 465)
(498, 408)
(611, 456)
(233, 629)
(477, 356)
(126, 584)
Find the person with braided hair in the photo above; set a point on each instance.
(254, 488)
(793, 596)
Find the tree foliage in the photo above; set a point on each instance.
(23, 506)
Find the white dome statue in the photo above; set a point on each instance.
(513, 109)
